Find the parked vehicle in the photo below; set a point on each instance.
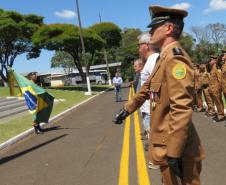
(95, 76)
(101, 78)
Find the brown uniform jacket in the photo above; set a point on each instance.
(223, 77)
(197, 79)
(215, 80)
(171, 90)
(204, 79)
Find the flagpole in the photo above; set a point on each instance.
(83, 51)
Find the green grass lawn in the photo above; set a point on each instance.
(4, 91)
(71, 95)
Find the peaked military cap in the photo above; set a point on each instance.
(160, 14)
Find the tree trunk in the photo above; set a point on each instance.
(79, 67)
(4, 78)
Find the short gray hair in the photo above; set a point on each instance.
(144, 38)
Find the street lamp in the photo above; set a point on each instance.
(83, 51)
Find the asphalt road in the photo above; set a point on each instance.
(11, 108)
(85, 148)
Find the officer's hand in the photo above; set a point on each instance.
(176, 165)
(119, 117)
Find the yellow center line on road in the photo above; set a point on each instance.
(124, 163)
(143, 178)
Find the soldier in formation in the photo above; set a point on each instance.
(215, 87)
(198, 89)
(204, 81)
(223, 72)
(210, 85)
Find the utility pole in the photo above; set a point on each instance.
(106, 60)
(83, 51)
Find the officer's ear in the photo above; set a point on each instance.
(169, 28)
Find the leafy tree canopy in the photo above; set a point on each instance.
(187, 42)
(129, 51)
(63, 60)
(16, 31)
(109, 32)
(65, 37)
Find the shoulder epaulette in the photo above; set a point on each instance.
(177, 51)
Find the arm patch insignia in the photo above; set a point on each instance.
(179, 71)
(177, 51)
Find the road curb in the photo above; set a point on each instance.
(28, 132)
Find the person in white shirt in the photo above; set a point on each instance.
(117, 81)
(150, 55)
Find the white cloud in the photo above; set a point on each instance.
(65, 14)
(183, 6)
(216, 5)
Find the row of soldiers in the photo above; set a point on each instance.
(210, 80)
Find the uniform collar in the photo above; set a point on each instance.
(174, 44)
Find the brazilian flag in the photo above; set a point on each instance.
(39, 102)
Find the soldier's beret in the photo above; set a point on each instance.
(160, 14)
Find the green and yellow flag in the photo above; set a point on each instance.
(39, 102)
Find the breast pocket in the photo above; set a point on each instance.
(155, 92)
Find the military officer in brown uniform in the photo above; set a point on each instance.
(215, 88)
(204, 80)
(174, 142)
(223, 73)
(198, 89)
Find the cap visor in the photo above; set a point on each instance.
(155, 23)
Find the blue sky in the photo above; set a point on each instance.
(124, 13)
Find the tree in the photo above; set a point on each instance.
(217, 32)
(210, 39)
(201, 34)
(16, 31)
(129, 51)
(212, 33)
(63, 60)
(111, 34)
(65, 37)
(203, 50)
(187, 42)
